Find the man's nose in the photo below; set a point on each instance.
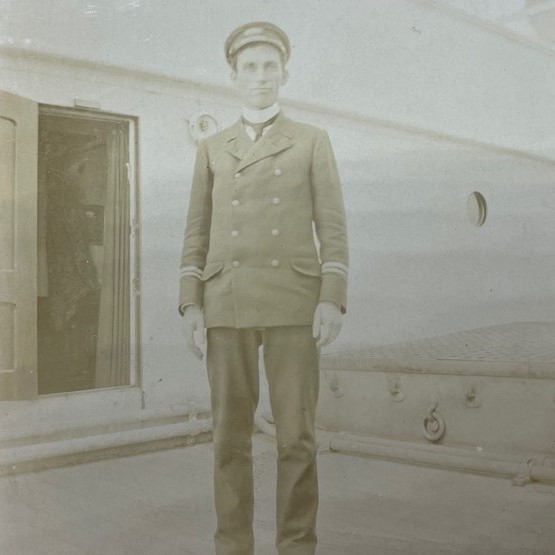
(261, 74)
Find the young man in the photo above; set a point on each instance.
(252, 274)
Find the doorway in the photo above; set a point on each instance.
(84, 263)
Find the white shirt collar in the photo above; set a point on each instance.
(260, 116)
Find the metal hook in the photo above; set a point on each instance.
(471, 397)
(335, 388)
(433, 426)
(395, 389)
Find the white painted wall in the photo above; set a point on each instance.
(407, 61)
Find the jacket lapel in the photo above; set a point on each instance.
(277, 139)
(239, 143)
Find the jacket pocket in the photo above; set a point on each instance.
(307, 266)
(211, 269)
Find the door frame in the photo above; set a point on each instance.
(132, 122)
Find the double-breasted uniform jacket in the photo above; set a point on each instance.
(256, 215)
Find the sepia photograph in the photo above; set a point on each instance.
(277, 277)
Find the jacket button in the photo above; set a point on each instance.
(235, 202)
(275, 263)
(234, 233)
(238, 174)
(276, 200)
(275, 232)
(235, 263)
(277, 172)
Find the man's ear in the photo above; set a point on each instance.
(285, 77)
(233, 76)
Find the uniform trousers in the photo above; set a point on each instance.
(291, 362)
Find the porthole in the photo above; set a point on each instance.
(477, 208)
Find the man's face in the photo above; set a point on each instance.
(259, 75)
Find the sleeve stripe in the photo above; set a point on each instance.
(190, 274)
(191, 271)
(334, 271)
(337, 265)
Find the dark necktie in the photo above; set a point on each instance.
(258, 128)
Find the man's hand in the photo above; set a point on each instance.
(193, 321)
(327, 323)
